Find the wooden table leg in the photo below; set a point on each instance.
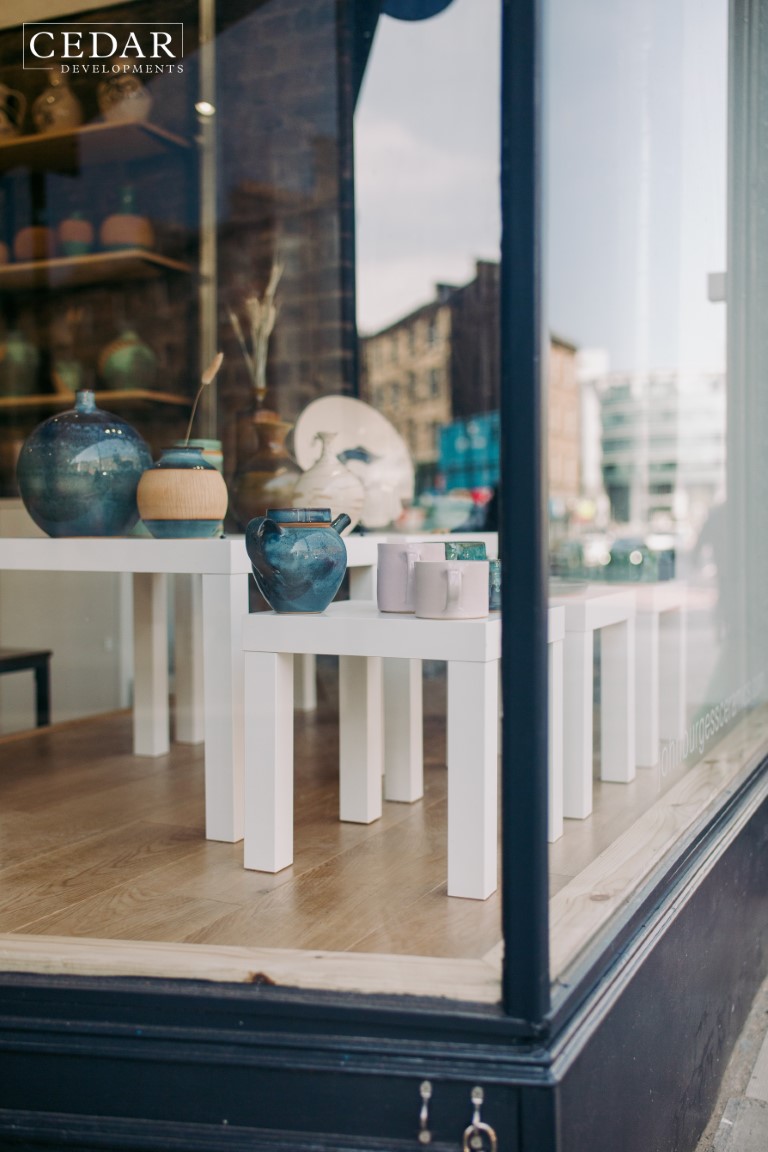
(672, 674)
(305, 682)
(151, 713)
(555, 738)
(225, 604)
(647, 689)
(403, 731)
(473, 705)
(268, 739)
(361, 738)
(43, 691)
(189, 709)
(578, 679)
(617, 702)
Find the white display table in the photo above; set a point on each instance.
(612, 613)
(356, 632)
(208, 653)
(374, 740)
(660, 686)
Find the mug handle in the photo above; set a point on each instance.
(453, 592)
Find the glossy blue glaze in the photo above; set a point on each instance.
(78, 472)
(298, 558)
(186, 529)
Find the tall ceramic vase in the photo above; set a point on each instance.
(266, 478)
(330, 484)
(78, 472)
(183, 495)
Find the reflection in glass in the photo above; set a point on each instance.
(645, 520)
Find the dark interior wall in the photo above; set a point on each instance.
(283, 156)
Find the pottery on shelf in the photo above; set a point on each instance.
(57, 108)
(122, 97)
(298, 557)
(75, 235)
(127, 363)
(329, 483)
(13, 109)
(126, 228)
(182, 495)
(267, 476)
(19, 365)
(78, 472)
(34, 242)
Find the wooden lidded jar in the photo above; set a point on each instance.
(182, 495)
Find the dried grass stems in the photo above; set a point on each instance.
(261, 316)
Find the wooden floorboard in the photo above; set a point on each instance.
(102, 847)
(95, 842)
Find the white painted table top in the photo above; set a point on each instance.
(595, 607)
(221, 555)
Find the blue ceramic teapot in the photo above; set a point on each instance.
(298, 557)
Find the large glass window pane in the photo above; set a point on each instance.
(649, 518)
(323, 208)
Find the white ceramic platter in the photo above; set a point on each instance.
(359, 427)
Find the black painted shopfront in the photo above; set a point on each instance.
(625, 1045)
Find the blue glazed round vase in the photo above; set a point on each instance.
(78, 472)
(298, 557)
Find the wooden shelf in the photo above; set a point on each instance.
(132, 398)
(97, 268)
(75, 148)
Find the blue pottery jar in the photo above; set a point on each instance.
(298, 557)
(78, 472)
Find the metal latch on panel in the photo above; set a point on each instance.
(479, 1136)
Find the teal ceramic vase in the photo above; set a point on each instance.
(128, 363)
(78, 472)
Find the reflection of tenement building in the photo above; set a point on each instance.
(405, 373)
(440, 364)
(564, 426)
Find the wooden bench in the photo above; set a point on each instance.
(39, 662)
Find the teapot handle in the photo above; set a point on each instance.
(341, 522)
(268, 527)
(256, 529)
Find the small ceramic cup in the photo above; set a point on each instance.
(395, 578)
(465, 550)
(494, 585)
(452, 589)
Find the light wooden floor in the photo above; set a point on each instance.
(96, 843)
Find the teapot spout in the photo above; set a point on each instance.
(341, 522)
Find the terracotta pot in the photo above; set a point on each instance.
(182, 495)
(123, 230)
(37, 242)
(267, 477)
(126, 228)
(75, 235)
